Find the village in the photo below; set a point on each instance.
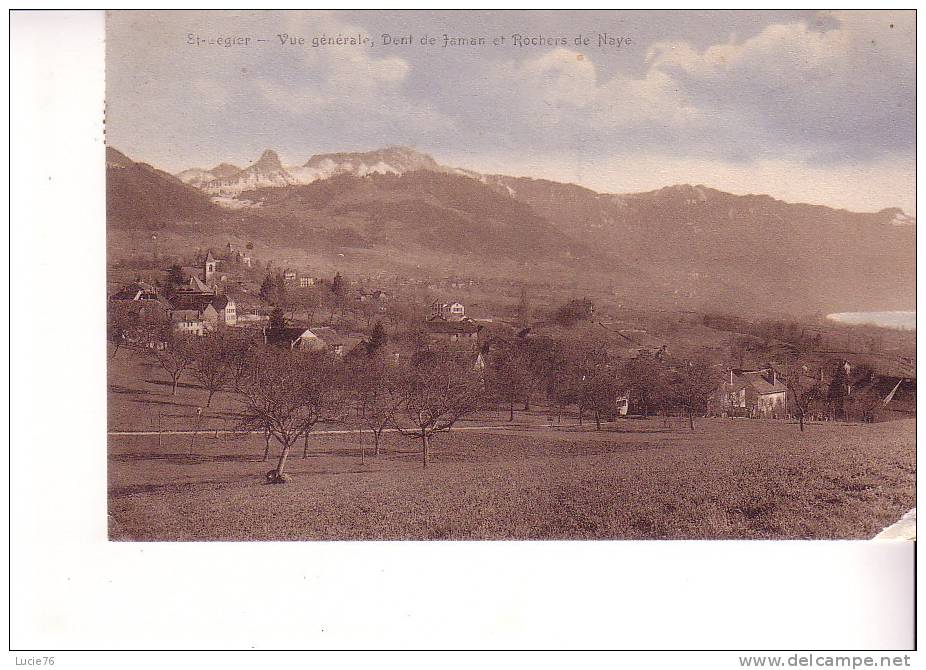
(571, 356)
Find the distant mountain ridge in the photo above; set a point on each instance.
(690, 245)
(269, 172)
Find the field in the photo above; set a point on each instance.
(635, 479)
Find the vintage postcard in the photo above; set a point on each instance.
(500, 275)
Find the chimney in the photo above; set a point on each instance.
(731, 376)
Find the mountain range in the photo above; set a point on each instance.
(228, 180)
(684, 245)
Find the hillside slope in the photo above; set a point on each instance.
(139, 196)
(753, 250)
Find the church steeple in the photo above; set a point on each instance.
(209, 266)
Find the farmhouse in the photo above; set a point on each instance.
(290, 277)
(750, 393)
(453, 332)
(212, 310)
(447, 310)
(187, 321)
(195, 286)
(317, 338)
(324, 338)
(894, 397)
(226, 310)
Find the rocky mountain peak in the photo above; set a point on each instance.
(268, 161)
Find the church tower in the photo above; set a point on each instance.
(210, 266)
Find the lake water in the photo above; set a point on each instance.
(900, 320)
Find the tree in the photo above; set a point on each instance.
(277, 319)
(838, 391)
(574, 311)
(439, 388)
(174, 356)
(507, 377)
(691, 382)
(212, 362)
(644, 379)
(241, 348)
(376, 397)
(307, 300)
(176, 276)
(121, 323)
(551, 369)
(595, 385)
(803, 388)
(285, 394)
(337, 284)
(273, 289)
(378, 338)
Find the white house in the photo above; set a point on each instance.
(448, 310)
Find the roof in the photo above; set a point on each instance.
(185, 315)
(641, 338)
(449, 327)
(191, 302)
(328, 335)
(351, 343)
(198, 284)
(285, 336)
(210, 257)
(135, 291)
(220, 302)
(903, 388)
(758, 381)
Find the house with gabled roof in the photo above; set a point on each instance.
(463, 332)
(316, 338)
(187, 321)
(448, 310)
(750, 393)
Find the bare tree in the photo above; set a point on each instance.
(591, 372)
(284, 394)
(173, 352)
(692, 381)
(439, 388)
(375, 396)
(507, 377)
(644, 379)
(803, 387)
(121, 321)
(241, 348)
(212, 362)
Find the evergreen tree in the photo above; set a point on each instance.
(838, 390)
(268, 289)
(175, 275)
(337, 284)
(378, 338)
(277, 320)
(279, 297)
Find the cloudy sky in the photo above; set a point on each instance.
(804, 106)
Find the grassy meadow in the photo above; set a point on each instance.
(491, 480)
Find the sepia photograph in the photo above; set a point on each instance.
(510, 275)
(366, 330)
